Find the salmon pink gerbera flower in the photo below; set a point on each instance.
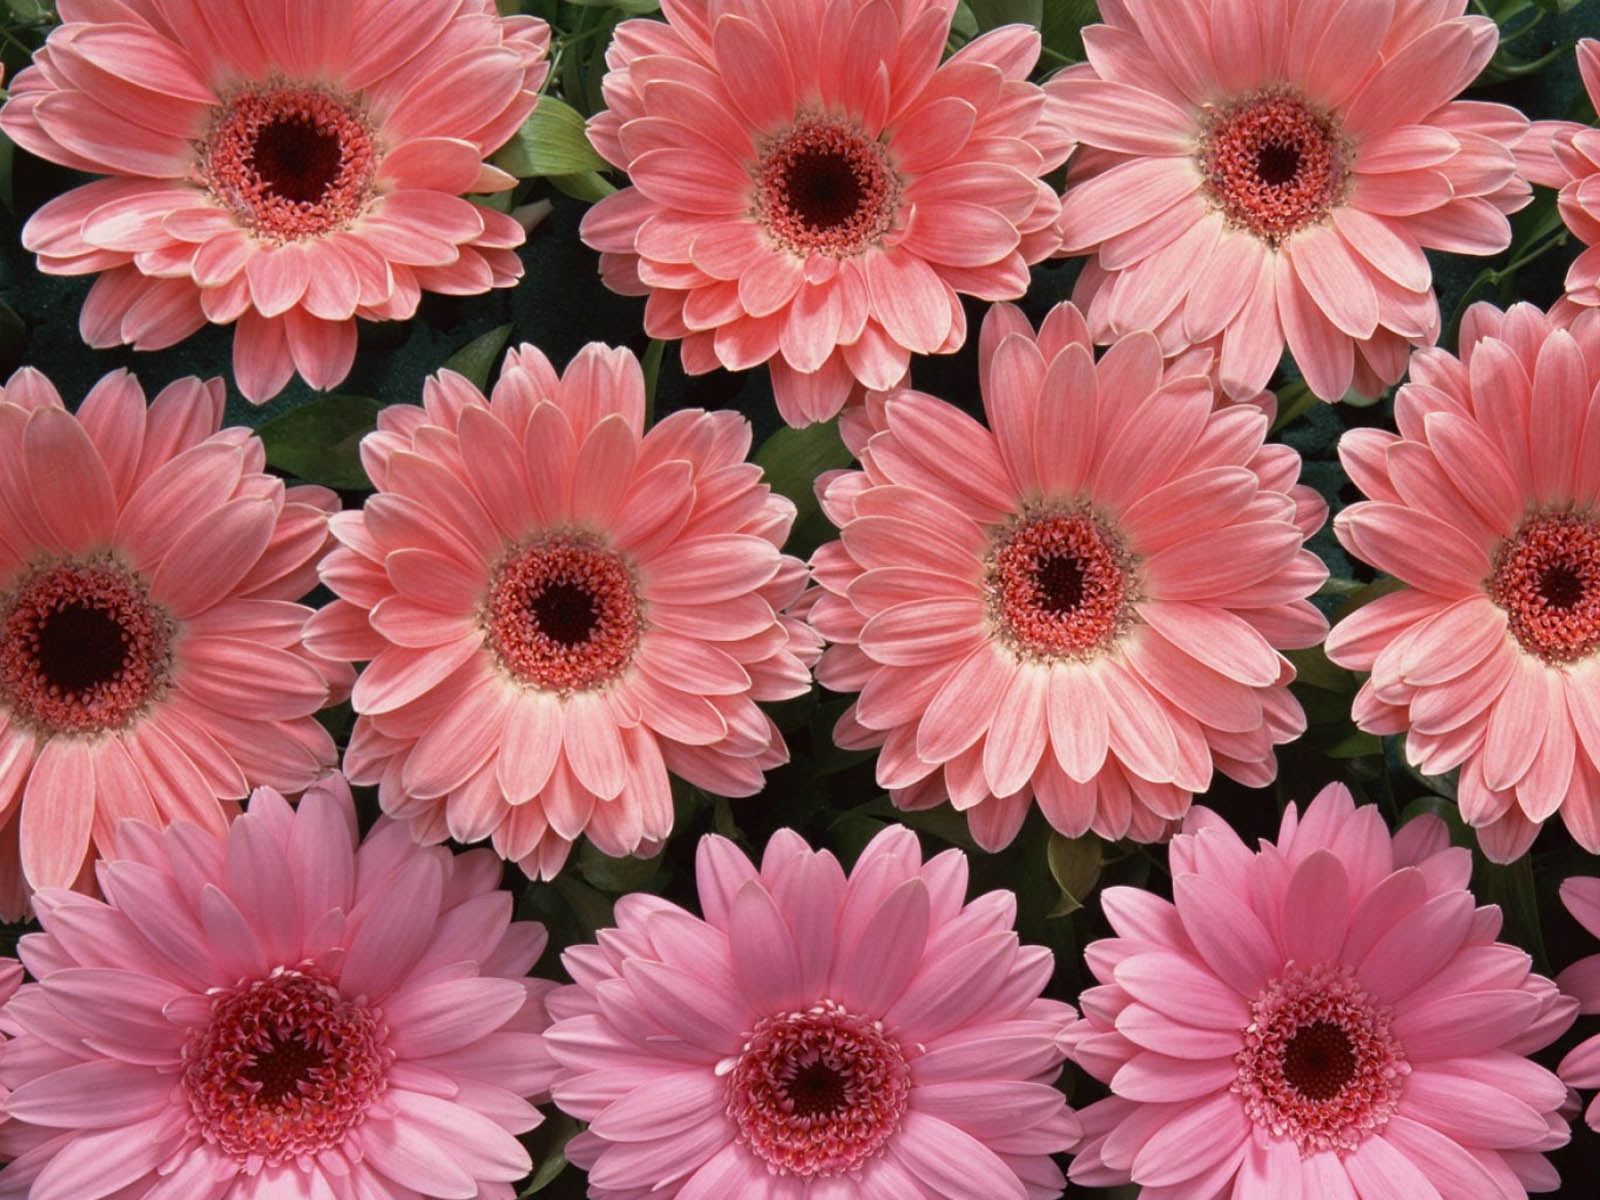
(276, 1011)
(285, 167)
(811, 188)
(1487, 504)
(150, 653)
(1330, 1016)
(814, 1035)
(1565, 155)
(1080, 605)
(1271, 171)
(560, 607)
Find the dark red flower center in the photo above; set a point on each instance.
(1319, 1064)
(83, 648)
(290, 162)
(563, 614)
(285, 1067)
(823, 187)
(1274, 164)
(819, 1091)
(1059, 585)
(1547, 578)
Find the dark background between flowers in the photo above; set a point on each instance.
(829, 794)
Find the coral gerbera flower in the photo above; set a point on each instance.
(1487, 503)
(284, 169)
(1330, 1016)
(276, 1011)
(1565, 155)
(1581, 1066)
(1080, 605)
(559, 607)
(811, 188)
(150, 652)
(1271, 171)
(814, 1035)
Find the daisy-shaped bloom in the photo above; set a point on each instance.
(1487, 504)
(811, 188)
(1581, 1066)
(10, 980)
(276, 1012)
(284, 168)
(1565, 155)
(1081, 604)
(1271, 171)
(1328, 1017)
(559, 608)
(814, 1036)
(150, 650)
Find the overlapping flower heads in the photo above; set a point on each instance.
(1080, 605)
(1271, 171)
(811, 187)
(1329, 1016)
(1565, 155)
(559, 607)
(284, 168)
(1487, 504)
(276, 1010)
(150, 653)
(814, 1035)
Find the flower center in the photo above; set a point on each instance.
(818, 1092)
(285, 1067)
(1319, 1065)
(1547, 578)
(83, 649)
(563, 614)
(1059, 585)
(823, 187)
(290, 162)
(1274, 164)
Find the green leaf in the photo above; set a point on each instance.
(1312, 667)
(550, 142)
(550, 1144)
(1511, 887)
(590, 909)
(1063, 28)
(993, 13)
(587, 186)
(631, 7)
(617, 876)
(321, 440)
(1075, 866)
(476, 359)
(792, 460)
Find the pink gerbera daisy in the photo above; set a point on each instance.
(10, 980)
(1080, 605)
(811, 188)
(1271, 171)
(1328, 1017)
(150, 652)
(559, 608)
(286, 166)
(815, 1036)
(1581, 1066)
(276, 1012)
(1566, 155)
(1487, 503)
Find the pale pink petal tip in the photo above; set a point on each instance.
(861, 1036)
(287, 182)
(277, 1001)
(1303, 1019)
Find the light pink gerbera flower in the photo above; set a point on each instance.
(10, 981)
(284, 167)
(1271, 171)
(559, 608)
(811, 188)
(815, 1036)
(1080, 605)
(1565, 155)
(1328, 1017)
(1581, 1066)
(150, 653)
(1487, 503)
(276, 1012)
